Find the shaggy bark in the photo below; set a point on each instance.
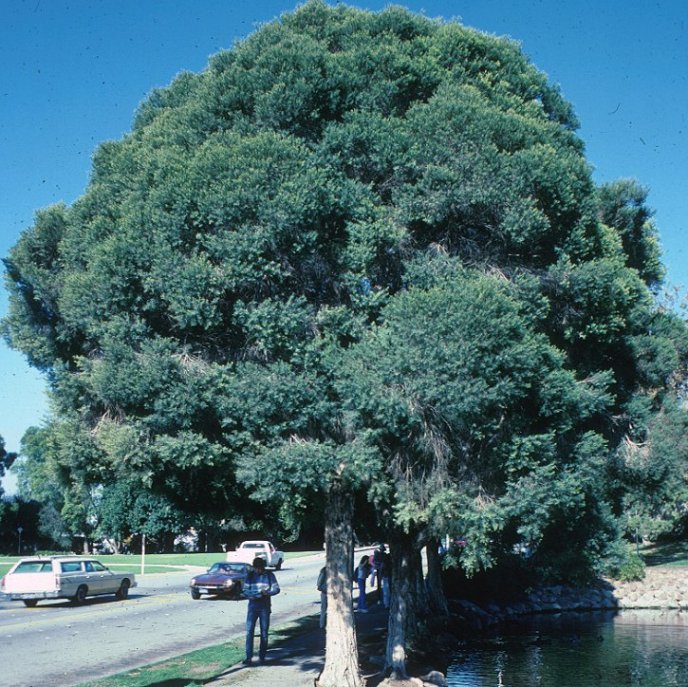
(341, 648)
(408, 602)
(409, 606)
(437, 601)
(395, 658)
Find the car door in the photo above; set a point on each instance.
(98, 578)
(72, 575)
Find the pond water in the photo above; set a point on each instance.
(626, 649)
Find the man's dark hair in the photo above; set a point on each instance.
(258, 563)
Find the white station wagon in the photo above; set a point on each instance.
(63, 577)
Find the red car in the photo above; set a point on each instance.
(222, 579)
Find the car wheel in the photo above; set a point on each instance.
(80, 595)
(30, 603)
(195, 594)
(279, 565)
(123, 591)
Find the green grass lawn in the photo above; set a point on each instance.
(155, 562)
(670, 554)
(198, 667)
(194, 668)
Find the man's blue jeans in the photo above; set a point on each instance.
(362, 606)
(260, 613)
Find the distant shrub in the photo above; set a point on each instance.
(624, 564)
(632, 569)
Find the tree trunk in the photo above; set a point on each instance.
(341, 648)
(437, 601)
(409, 605)
(418, 604)
(402, 584)
(114, 544)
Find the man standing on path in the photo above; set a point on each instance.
(259, 586)
(321, 585)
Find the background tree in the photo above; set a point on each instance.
(125, 511)
(6, 460)
(67, 501)
(623, 206)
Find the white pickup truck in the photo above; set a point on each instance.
(248, 550)
(63, 577)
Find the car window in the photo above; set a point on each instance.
(98, 567)
(70, 566)
(34, 566)
(89, 566)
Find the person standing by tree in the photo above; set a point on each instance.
(259, 586)
(376, 563)
(361, 574)
(385, 574)
(321, 585)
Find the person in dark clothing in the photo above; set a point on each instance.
(385, 575)
(321, 585)
(377, 561)
(260, 585)
(361, 574)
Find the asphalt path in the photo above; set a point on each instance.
(60, 644)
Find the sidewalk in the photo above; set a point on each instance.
(298, 660)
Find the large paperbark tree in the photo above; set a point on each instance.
(258, 218)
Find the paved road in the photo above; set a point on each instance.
(61, 645)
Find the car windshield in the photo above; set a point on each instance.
(225, 568)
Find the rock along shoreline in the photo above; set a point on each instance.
(662, 588)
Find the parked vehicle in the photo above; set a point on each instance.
(63, 577)
(248, 550)
(222, 579)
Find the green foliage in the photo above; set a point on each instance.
(624, 564)
(20, 513)
(650, 470)
(60, 483)
(485, 431)
(6, 460)
(623, 208)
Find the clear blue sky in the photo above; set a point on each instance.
(74, 71)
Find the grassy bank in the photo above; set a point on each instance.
(197, 667)
(194, 668)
